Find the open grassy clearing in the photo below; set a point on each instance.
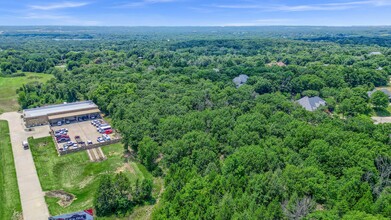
(9, 85)
(10, 205)
(75, 174)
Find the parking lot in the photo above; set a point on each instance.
(87, 132)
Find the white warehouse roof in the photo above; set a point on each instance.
(60, 108)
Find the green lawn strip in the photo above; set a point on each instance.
(9, 191)
(74, 173)
(9, 85)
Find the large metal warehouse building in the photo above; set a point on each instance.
(52, 114)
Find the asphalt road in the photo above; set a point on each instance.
(31, 194)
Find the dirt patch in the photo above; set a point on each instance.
(159, 158)
(319, 207)
(85, 182)
(114, 153)
(42, 144)
(126, 167)
(65, 198)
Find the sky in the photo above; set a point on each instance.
(195, 12)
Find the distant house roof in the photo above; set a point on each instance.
(276, 64)
(311, 104)
(375, 53)
(385, 91)
(240, 80)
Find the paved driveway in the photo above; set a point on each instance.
(381, 120)
(31, 195)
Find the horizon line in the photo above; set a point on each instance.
(178, 26)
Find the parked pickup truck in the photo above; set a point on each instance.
(80, 141)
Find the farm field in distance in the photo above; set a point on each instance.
(74, 174)
(9, 85)
(9, 193)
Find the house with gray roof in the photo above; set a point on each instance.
(311, 104)
(375, 53)
(385, 91)
(240, 80)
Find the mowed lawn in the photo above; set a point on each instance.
(75, 174)
(9, 85)
(9, 192)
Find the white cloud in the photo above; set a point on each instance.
(310, 7)
(59, 5)
(143, 3)
(265, 22)
(46, 16)
(63, 19)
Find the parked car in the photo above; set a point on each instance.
(89, 142)
(108, 131)
(100, 139)
(59, 123)
(106, 137)
(61, 140)
(62, 137)
(25, 145)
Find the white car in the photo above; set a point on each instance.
(106, 137)
(25, 145)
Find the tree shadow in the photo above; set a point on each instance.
(382, 112)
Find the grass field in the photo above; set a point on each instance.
(10, 204)
(75, 174)
(9, 85)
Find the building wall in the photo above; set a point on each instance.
(71, 119)
(43, 120)
(31, 122)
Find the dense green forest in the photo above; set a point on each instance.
(225, 152)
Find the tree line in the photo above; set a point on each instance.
(237, 153)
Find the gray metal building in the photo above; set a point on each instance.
(62, 112)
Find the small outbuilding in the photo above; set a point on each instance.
(311, 104)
